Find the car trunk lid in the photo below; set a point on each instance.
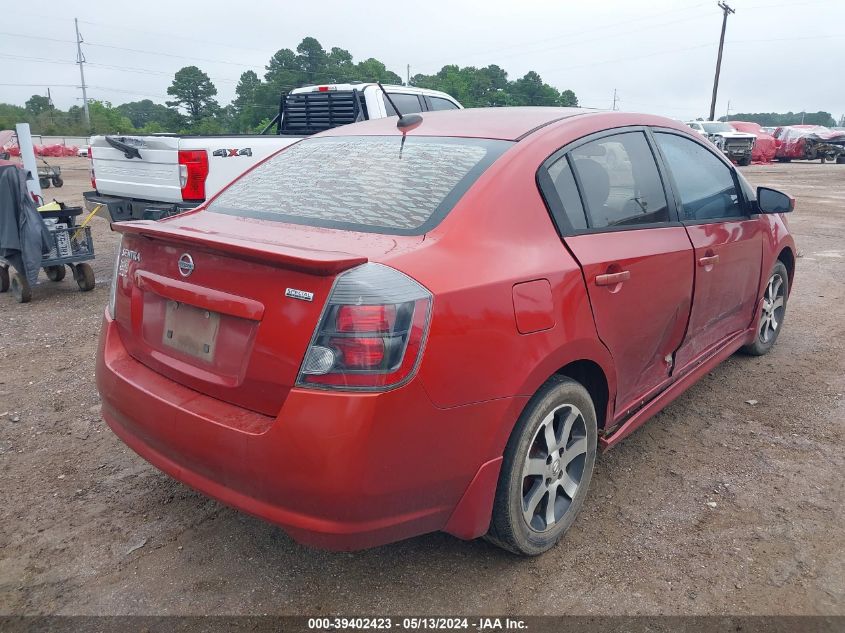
(227, 306)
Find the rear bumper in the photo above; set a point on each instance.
(121, 209)
(336, 470)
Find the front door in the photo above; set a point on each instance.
(728, 245)
(637, 263)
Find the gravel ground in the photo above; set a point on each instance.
(716, 506)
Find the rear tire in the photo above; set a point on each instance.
(55, 273)
(20, 288)
(775, 296)
(745, 161)
(783, 160)
(44, 182)
(546, 469)
(840, 160)
(4, 279)
(84, 275)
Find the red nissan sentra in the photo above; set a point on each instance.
(372, 335)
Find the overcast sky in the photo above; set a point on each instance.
(659, 55)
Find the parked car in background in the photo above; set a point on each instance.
(379, 333)
(82, 152)
(735, 145)
(150, 177)
(765, 145)
(810, 142)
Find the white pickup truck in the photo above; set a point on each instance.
(151, 177)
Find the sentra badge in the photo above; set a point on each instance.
(302, 295)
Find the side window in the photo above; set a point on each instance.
(439, 103)
(405, 102)
(705, 184)
(564, 186)
(619, 181)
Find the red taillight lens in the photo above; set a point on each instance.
(365, 318)
(193, 170)
(360, 353)
(91, 158)
(372, 331)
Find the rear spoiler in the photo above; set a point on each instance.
(284, 255)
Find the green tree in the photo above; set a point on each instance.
(246, 109)
(107, 120)
(530, 90)
(340, 68)
(37, 104)
(373, 70)
(194, 92)
(312, 61)
(12, 114)
(568, 99)
(145, 113)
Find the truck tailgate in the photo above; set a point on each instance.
(153, 176)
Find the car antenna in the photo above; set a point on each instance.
(406, 122)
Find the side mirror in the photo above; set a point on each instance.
(774, 201)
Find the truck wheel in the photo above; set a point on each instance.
(44, 182)
(4, 279)
(20, 288)
(55, 273)
(775, 295)
(546, 469)
(84, 277)
(745, 161)
(57, 181)
(840, 160)
(780, 159)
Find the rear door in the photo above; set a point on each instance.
(728, 243)
(610, 203)
(150, 172)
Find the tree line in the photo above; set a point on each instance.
(775, 119)
(194, 107)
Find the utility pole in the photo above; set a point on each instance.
(726, 11)
(615, 99)
(408, 75)
(728, 111)
(80, 59)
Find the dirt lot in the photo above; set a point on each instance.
(90, 528)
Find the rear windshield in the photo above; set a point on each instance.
(362, 183)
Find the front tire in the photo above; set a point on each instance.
(546, 469)
(773, 312)
(745, 161)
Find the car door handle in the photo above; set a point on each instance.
(611, 279)
(708, 260)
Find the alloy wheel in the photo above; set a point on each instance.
(773, 308)
(554, 467)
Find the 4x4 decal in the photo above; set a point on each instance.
(225, 153)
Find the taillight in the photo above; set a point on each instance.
(371, 333)
(91, 158)
(193, 170)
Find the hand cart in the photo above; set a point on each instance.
(49, 174)
(71, 246)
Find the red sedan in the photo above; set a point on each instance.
(372, 335)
